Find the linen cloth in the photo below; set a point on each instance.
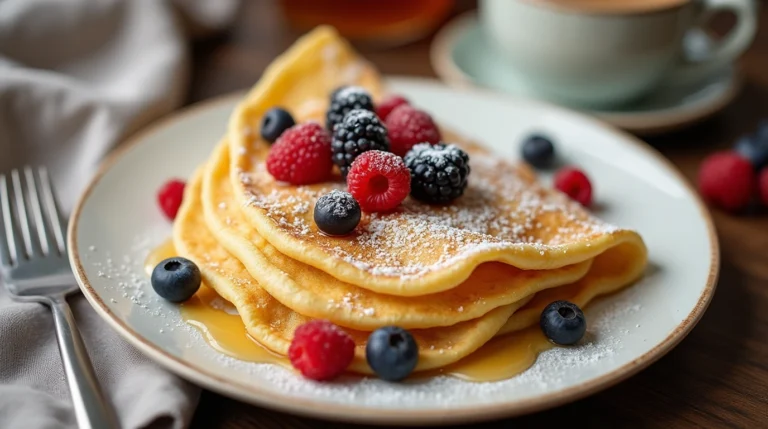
(76, 76)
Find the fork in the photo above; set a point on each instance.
(35, 268)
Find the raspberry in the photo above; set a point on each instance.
(439, 173)
(408, 127)
(574, 183)
(763, 185)
(727, 180)
(169, 197)
(379, 181)
(321, 350)
(302, 155)
(388, 105)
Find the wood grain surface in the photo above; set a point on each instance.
(718, 375)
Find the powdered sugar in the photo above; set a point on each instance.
(502, 209)
(357, 114)
(341, 203)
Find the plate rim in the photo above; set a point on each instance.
(257, 395)
(647, 123)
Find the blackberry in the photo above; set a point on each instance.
(438, 173)
(359, 131)
(345, 99)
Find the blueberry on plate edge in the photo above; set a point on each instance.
(176, 279)
(274, 122)
(392, 353)
(563, 323)
(539, 151)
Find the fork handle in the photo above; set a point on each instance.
(92, 411)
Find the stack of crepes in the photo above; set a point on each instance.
(455, 276)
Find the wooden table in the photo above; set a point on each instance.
(717, 377)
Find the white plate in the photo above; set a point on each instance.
(117, 221)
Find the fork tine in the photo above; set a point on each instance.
(21, 211)
(52, 209)
(5, 212)
(11, 236)
(41, 243)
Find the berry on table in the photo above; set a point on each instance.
(345, 99)
(176, 279)
(574, 183)
(538, 151)
(384, 108)
(762, 184)
(438, 173)
(392, 353)
(170, 196)
(359, 132)
(302, 155)
(274, 122)
(337, 213)
(727, 180)
(321, 350)
(563, 322)
(408, 126)
(379, 181)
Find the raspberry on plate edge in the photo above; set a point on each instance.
(574, 183)
(170, 196)
(321, 350)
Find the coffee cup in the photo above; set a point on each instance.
(602, 53)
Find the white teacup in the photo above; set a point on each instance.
(598, 53)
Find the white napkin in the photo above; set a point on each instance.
(77, 76)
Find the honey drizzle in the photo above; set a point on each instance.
(499, 359)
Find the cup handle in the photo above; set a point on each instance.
(719, 54)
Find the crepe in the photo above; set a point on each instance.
(454, 275)
(419, 249)
(314, 293)
(272, 324)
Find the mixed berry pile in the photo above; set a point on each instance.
(385, 152)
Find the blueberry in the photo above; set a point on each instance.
(538, 151)
(337, 213)
(274, 122)
(563, 323)
(176, 279)
(755, 148)
(392, 353)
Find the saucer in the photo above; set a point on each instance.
(462, 57)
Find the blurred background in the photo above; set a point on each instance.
(77, 77)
